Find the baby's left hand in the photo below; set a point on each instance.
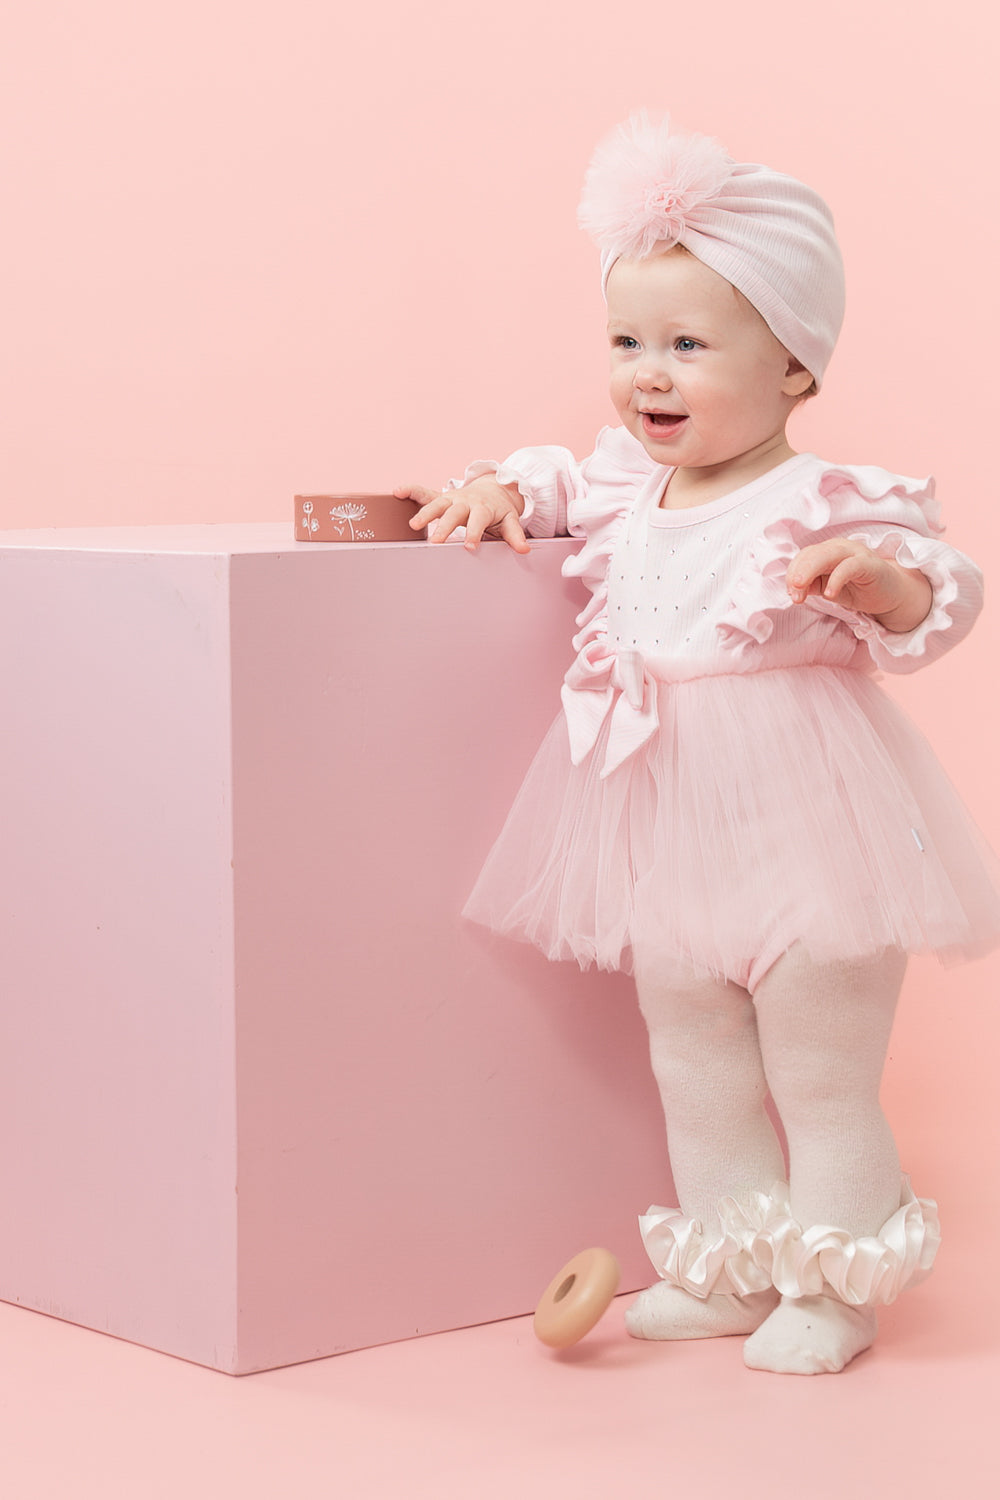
(850, 574)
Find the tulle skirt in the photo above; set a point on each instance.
(797, 805)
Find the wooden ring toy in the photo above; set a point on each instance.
(577, 1298)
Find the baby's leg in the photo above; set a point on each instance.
(706, 1060)
(824, 1032)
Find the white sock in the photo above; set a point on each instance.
(810, 1336)
(668, 1312)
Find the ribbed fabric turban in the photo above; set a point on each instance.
(769, 235)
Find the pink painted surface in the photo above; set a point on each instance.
(117, 1091)
(270, 1098)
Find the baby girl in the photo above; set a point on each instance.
(727, 806)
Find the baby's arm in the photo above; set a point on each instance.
(480, 506)
(850, 574)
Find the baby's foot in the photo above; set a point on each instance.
(665, 1311)
(810, 1336)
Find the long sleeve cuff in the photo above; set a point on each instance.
(957, 586)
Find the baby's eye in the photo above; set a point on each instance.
(686, 346)
(625, 341)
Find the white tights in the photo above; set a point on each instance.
(815, 1038)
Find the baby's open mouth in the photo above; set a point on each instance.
(664, 420)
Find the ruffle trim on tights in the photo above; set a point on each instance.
(700, 1263)
(759, 1245)
(865, 1272)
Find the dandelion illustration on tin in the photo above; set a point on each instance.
(349, 513)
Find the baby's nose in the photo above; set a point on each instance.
(651, 377)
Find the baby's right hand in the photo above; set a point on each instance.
(483, 505)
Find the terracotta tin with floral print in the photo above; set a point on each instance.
(355, 518)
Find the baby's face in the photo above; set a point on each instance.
(696, 374)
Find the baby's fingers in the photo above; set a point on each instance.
(810, 571)
(477, 522)
(486, 519)
(444, 512)
(851, 570)
(507, 528)
(448, 519)
(512, 532)
(432, 503)
(418, 492)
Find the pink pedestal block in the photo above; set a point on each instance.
(265, 1096)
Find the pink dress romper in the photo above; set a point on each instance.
(726, 778)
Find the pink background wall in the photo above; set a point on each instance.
(260, 247)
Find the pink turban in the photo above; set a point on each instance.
(769, 235)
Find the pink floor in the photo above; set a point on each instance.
(487, 1412)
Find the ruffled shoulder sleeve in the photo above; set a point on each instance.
(896, 517)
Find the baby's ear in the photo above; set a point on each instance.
(798, 381)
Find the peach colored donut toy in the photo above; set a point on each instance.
(577, 1298)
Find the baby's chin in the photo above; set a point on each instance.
(662, 443)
